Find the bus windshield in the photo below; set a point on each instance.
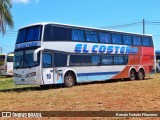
(9, 58)
(24, 59)
(2, 59)
(29, 34)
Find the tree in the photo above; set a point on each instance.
(5, 15)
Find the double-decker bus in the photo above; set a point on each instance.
(52, 53)
(6, 64)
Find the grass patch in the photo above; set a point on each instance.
(6, 83)
(138, 95)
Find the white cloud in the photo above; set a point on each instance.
(25, 1)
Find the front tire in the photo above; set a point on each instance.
(69, 79)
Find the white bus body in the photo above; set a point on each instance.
(6, 64)
(45, 55)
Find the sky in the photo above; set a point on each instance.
(90, 13)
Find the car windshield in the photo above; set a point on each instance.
(29, 34)
(24, 59)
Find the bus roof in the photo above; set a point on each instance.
(2, 54)
(84, 27)
(11, 55)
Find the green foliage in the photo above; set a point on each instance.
(6, 83)
(5, 15)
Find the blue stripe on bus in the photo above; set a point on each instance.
(97, 73)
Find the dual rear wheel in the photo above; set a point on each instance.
(137, 75)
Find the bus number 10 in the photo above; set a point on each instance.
(48, 76)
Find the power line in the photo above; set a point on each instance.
(133, 24)
(123, 25)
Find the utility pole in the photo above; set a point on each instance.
(143, 26)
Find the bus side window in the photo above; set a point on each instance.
(146, 41)
(127, 40)
(55, 33)
(107, 60)
(105, 37)
(92, 36)
(137, 41)
(78, 35)
(116, 39)
(95, 60)
(125, 60)
(47, 60)
(118, 60)
(60, 60)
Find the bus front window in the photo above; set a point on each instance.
(24, 59)
(2, 59)
(9, 58)
(18, 60)
(29, 34)
(29, 62)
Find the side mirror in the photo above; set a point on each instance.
(36, 52)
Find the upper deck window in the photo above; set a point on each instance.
(137, 41)
(116, 39)
(127, 40)
(78, 35)
(56, 33)
(33, 34)
(105, 37)
(91, 36)
(21, 35)
(147, 41)
(29, 34)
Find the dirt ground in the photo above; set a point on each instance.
(122, 95)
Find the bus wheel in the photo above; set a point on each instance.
(132, 75)
(140, 75)
(69, 79)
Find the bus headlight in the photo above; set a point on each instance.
(17, 75)
(31, 74)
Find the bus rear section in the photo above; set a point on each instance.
(6, 64)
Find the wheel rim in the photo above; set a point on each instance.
(69, 80)
(132, 75)
(140, 74)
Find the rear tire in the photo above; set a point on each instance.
(140, 74)
(69, 79)
(132, 75)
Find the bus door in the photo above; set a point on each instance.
(47, 68)
(2, 66)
